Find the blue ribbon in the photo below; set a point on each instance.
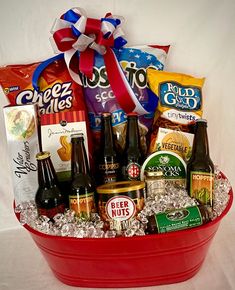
(152, 101)
(75, 31)
(114, 22)
(71, 16)
(40, 69)
(119, 42)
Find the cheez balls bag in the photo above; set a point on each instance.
(57, 91)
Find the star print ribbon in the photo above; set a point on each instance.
(76, 35)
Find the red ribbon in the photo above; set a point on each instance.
(117, 83)
(61, 34)
(65, 39)
(86, 62)
(87, 57)
(92, 26)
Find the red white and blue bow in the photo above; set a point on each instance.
(74, 32)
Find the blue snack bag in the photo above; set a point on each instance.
(100, 97)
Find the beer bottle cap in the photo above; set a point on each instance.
(106, 114)
(132, 114)
(77, 137)
(43, 155)
(201, 121)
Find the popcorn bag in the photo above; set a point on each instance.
(91, 59)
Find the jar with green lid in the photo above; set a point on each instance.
(155, 182)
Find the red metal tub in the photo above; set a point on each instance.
(128, 262)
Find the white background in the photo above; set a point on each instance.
(202, 38)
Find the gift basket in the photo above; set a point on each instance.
(110, 159)
(128, 262)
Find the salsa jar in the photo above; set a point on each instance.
(120, 202)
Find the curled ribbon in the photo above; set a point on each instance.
(75, 32)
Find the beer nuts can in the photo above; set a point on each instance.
(120, 202)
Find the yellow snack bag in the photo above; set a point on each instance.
(179, 102)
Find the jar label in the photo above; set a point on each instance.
(201, 186)
(172, 165)
(155, 187)
(83, 205)
(178, 219)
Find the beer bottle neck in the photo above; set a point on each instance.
(46, 173)
(200, 144)
(79, 164)
(132, 138)
(107, 141)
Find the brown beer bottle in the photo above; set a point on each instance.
(108, 164)
(178, 219)
(49, 199)
(82, 191)
(200, 168)
(132, 156)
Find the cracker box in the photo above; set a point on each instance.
(56, 130)
(22, 137)
(175, 141)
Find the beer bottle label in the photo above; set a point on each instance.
(109, 171)
(51, 212)
(83, 205)
(133, 171)
(201, 186)
(178, 219)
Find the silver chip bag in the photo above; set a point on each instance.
(22, 138)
